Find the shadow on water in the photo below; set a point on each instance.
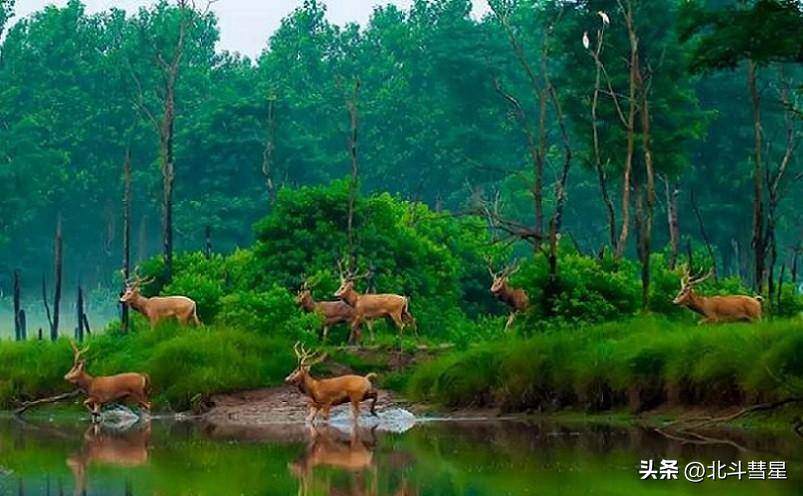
(480, 458)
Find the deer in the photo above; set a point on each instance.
(105, 389)
(333, 312)
(122, 449)
(369, 307)
(716, 308)
(323, 394)
(157, 308)
(515, 298)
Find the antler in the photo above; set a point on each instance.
(136, 281)
(307, 358)
(76, 352)
(697, 279)
(489, 264)
(348, 275)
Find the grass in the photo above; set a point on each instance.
(185, 364)
(639, 363)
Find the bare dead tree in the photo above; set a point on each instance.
(759, 250)
(351, 105)
(536, 149)
(602, 175)
(630, 127)
(59, 265)
(672, 192)
(126, 271)
(703, 232)
(19, 331)
(169, 65)
(778, 180)
(267, 152)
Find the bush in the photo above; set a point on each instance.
(640, 362)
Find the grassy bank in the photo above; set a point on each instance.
(641, 363)
(184, 364)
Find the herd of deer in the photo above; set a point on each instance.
(352, 308)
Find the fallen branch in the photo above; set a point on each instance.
(43, 401)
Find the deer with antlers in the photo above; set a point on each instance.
(333, 312)
(157, 308)
(716, 308)
(105, 389)
(515, 298)
(323, 394)
(369, 307)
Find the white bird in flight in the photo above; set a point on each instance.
(605, 19)
(586, 43)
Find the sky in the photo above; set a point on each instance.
(245, 25)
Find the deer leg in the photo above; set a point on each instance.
(370, 324)
(355, 331)
(325, 333)
(707, 320)
(373, 396)
(355, 409)
(510, 320)
(313, 411)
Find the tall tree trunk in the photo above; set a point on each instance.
(673, 224)
(59, 265)
(267, 153)
(79, 307)
(125, 317)
(631, 138)
(17, 306)
(168, 177)
(759, 250)
(351, 104)
(208, 242)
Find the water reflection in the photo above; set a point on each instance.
(107, 446)
(441, 458)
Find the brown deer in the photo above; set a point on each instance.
(159, 307)
(716, 308)
(102, 390)
(323, 394)
(515, 298)
(121, 449)
(369, 307)
(333, 312)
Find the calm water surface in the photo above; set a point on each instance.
(480, 458)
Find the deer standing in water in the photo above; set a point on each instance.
(159, 307)
(323, 394)
(105, 389)
(333, 312)
(716, 308)
(369, 307)
(515, 298)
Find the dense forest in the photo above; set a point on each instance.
(604, 128)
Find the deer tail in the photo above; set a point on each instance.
(370, 375)
(406, 315)
(759, 298)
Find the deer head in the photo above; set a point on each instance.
(132, 286)
(347, 278)
(687, 284)
(78, 364)
(306, 359)
(500, 278)
(304, 293)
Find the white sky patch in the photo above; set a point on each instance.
(246, 25)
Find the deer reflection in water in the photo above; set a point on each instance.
(327, 448)
(109, 447)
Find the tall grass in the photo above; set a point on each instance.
(640, 363)
(185, 364)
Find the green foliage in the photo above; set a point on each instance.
(646, 360)
(185, 364)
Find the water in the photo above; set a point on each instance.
(476, 458)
